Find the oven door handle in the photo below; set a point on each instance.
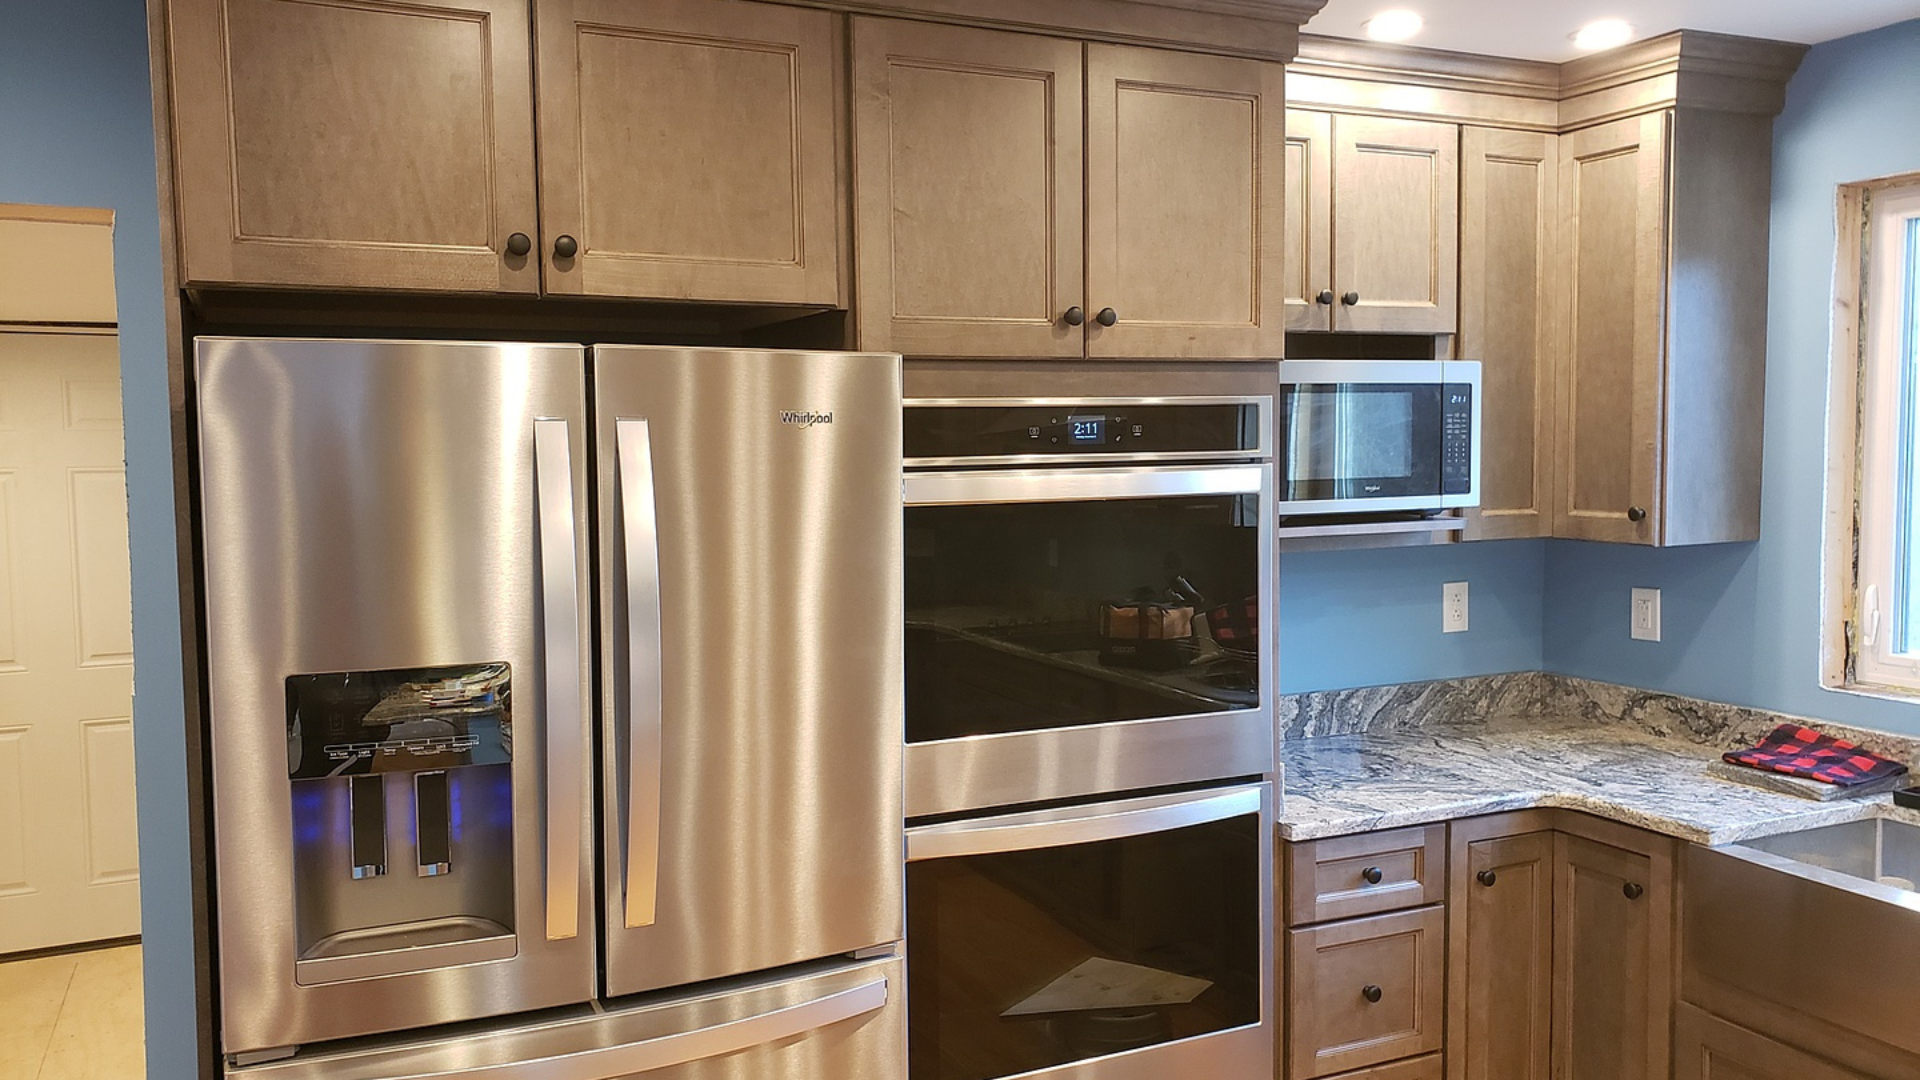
(1080, 824)
(1081, 485)
(565, 717)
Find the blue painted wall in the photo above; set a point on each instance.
(76, 129)
(1742, 621)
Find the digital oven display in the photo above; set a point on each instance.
(1087, 429)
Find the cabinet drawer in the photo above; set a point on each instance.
(1365, 991)
(1431, 1067)
(1333, 879)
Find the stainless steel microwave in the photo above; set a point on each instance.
(1375, 436)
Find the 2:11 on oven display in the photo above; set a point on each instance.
(1087, 429)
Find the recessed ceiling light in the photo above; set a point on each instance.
(1604, 34)
(1396, 25)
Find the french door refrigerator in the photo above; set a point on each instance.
(541, 677)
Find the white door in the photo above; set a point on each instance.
(68, 854)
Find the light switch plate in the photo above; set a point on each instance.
(1646, 615)
(1453, 607)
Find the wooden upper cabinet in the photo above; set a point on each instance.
(688, 148)
(1509, 210)
(1500, 974)
(354, 143)
(1307, 265)
(967, 191)
(1185, 205)
(1613, 961)
(1613, 216)
(1396, 231)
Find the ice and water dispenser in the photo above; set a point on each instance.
(402, 790)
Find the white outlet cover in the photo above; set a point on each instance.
(1453, 607)
(1646, 615)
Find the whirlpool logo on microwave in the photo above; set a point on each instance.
(806, 419)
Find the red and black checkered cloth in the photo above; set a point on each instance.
(1800, 751)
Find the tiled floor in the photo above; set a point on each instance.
(76, 1016)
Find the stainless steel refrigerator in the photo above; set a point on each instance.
(541, 677)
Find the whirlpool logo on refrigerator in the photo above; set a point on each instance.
(806, 419)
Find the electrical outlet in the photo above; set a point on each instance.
(1453, 607)
(1646, 615)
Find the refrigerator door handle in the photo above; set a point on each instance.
(565, 716)
(640, 532)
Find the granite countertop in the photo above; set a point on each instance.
(1336, 785)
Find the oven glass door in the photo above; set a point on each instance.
(1359, 441)
(1060, 599)
(1049, 938)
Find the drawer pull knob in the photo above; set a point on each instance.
(1371, 993)
(1350, 299)
(1487, 878)
(1372, 875)
(519, 244)
(1107, 317)
(1325, 297)
(1634, 891)
(1636, 514)
(1075, 316)
(566, 247)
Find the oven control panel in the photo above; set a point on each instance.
(993, 430)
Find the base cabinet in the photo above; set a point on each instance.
(1709, 1048)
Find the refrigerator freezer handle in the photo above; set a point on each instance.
(641, 550)
(565, 718)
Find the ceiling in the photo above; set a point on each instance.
(1540, 29)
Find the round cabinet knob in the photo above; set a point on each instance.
(1107, 317)
(1371, 993)
(1325, 298)
(1636, 514)
(1487, 878)
(1633, 891)
(1075, 316)
(519, 244)
(1372, 875)
(1350, 299)
(566, 247)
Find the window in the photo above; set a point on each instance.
(1882, 640)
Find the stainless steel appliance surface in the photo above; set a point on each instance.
(1374, 436)
(406, 629)
(1128, 939)
(1086, 584)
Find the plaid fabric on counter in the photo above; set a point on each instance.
(1802, 751)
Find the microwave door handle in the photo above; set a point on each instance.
(1089, 824)
(639, 523)
(565, 718)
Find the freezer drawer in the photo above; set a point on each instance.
(830, 1022)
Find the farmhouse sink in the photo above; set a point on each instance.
(1818, 929)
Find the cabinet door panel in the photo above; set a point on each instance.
(1509, 198)
(1501, 947)
(689, 147)
(354, 144)
(967, 190)
(1709, 1048)
(1308, 263)
(1396, 228)
(1612, 999)
(1185, 211)
(1613, 199)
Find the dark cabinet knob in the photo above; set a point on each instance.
(1633, 891)
(1325, 297)
(1107, 317)
(1636, 514)
(1487, 878)
(1075, 316)
(566, 247)
(1371, 993)
(1372, 875)
(1350, 299)
(519, 244)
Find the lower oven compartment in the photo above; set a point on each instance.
(1123, 940)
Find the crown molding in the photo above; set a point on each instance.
(1260, 29)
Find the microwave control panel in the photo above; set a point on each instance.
(1456, 439)
(989, 430)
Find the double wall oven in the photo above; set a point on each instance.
(1088, 738)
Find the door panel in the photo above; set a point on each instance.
(1509, 192)
(1613, 201)
(689, 147)
(1709, 1048)
(1308, 267)
(1612, 963)
(1500, 1007)
(69, 869)
(1185, 209)
(753, 802)
(967, 191)
(1396, 228)
(354, 144)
